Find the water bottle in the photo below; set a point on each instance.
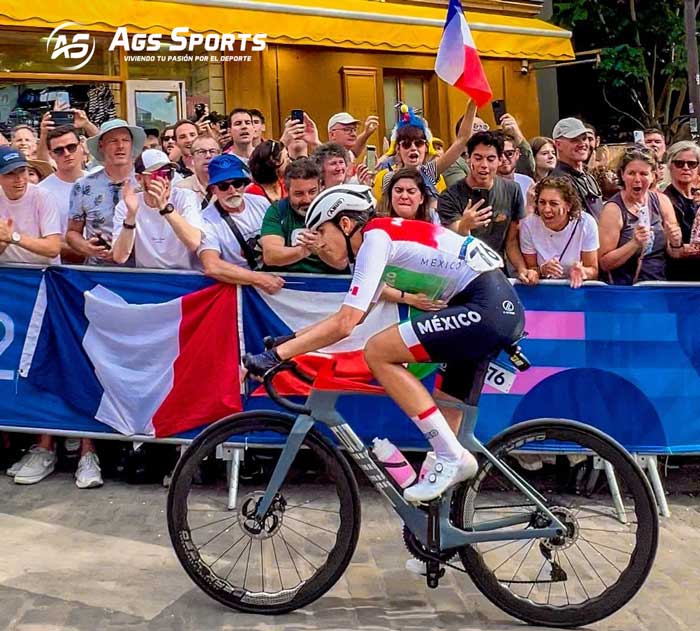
(394, 461)
(645, 220)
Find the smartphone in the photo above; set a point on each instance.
(298, 115)
(62, 117)
(371, 159)
(638, 137)
(480, 194)
(101, 242)
(63, 98)
(499, 109)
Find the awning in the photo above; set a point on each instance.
(355, 24)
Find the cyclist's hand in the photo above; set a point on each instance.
(422, 302)
(270, 341)
(259, 364)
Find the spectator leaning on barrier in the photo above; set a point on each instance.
(231, 228)
(68, 153)
(485, 205)
(558, 240)
(637, 226)
(287, 244)
(572, 141)
(259, 128)
(186, 133)
(241, 128)
(204, 150)
(94, 197)
(545, 154)
(162, 224)
(24, 138)
(267, 165)
(683, 160)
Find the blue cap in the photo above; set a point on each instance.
(227, 167)
(11, 159)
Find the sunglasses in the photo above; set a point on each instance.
(71, 148)
(418, 142)
(238, 182)
(166, 174)
(509, 153)
(681, 164)
(168, 138)
(477, 127)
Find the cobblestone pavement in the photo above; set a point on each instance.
(101, 560)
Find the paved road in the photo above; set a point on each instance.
(101, 560)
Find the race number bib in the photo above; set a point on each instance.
(499, 377)
(479, 256)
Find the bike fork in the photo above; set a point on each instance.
(433, 569)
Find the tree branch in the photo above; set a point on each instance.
(632, 4)
(618, 110)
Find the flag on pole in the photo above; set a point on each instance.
(458, 61)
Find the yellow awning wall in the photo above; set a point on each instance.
(351, 24)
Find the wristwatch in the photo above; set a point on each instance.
(15, 238)
(129, 226)
(167, 210)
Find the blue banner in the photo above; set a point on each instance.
(623, 359)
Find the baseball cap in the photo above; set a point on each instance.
(226, 167)
(568, 128)
(343, 118)
(11, 159)
(152, 160)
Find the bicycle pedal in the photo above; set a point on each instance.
(434, 575)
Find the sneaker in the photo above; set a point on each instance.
(415, 566)
(442, 475)
(39, 463)
(427, 465)
(88, 475)
(14, 469)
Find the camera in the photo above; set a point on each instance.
(525, 67)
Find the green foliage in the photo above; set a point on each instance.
(643, 56)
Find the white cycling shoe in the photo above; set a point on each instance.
(441, 476)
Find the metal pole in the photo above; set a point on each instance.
(691, 44)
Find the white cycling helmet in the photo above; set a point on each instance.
(338, 200)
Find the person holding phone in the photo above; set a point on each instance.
(59, 117)
(487, 206)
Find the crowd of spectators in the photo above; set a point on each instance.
(228, 201)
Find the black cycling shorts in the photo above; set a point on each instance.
(484, 318)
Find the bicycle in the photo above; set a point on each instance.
(531, 549)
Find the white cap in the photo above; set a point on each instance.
(568, 128)
(152, 160)
(341, 117)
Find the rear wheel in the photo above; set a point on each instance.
(602, 560)
(302, 545)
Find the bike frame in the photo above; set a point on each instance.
(322, 408)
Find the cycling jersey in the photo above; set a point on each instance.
(416, 257)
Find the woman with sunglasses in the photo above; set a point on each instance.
(267, 165)
(683, 160)
(412, 147)
(160, 224)
(638, 227)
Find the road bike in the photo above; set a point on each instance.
(521, 529)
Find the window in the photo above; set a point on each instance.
(409, 89)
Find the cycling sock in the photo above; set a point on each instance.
(439, 434)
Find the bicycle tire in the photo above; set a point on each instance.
(337, 470)
(646, 536)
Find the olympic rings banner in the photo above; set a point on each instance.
(623, 359)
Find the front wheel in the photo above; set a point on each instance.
(607, 552)
(305, 541)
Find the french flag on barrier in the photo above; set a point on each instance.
(150, 369)
(458, 61)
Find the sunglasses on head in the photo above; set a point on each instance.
(418, 142)
(681, 164)
(71, 148)
(238, 182)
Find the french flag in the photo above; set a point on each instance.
(458, 61)
(153, 369)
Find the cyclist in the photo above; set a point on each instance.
(483, 314)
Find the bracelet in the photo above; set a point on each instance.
(403, 295)
(676, 247)
(129, 226)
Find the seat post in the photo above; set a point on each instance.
(480, 372)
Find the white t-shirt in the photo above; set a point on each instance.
(524, 182)
(536, 238)
(34, 214)
(60, 192)
(156, 245)
(219, 237)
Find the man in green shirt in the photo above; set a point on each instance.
(286, 243)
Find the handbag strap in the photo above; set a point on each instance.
(571, 236)
(246, 250)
